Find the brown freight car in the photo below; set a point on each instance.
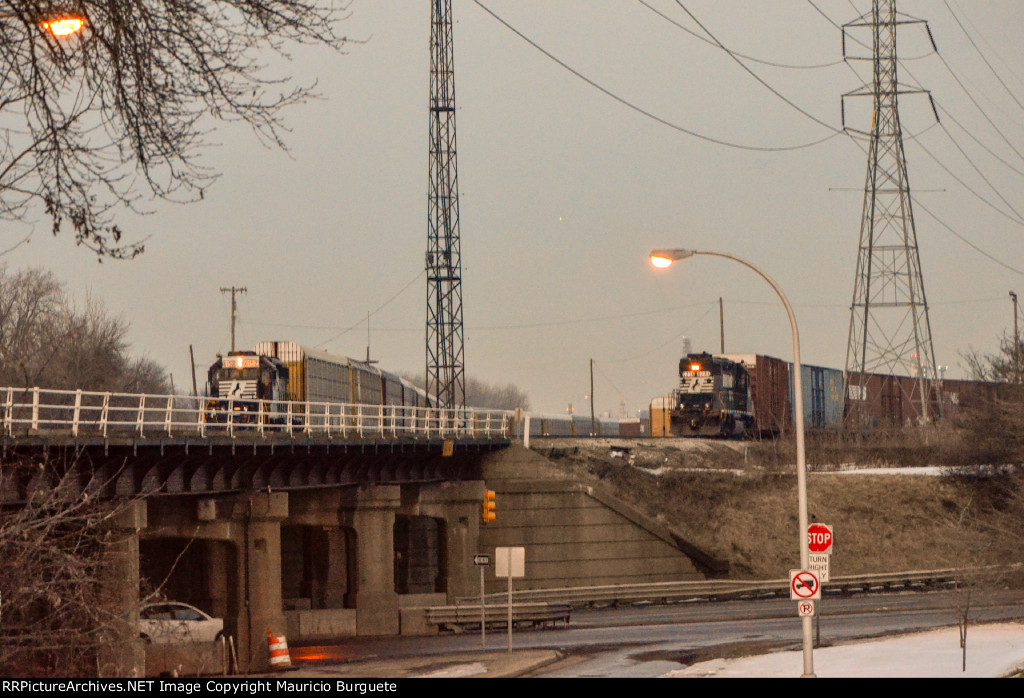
(769, 385)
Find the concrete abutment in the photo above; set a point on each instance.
(320, 564)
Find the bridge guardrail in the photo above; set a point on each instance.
(723, 588)
(459, 617)
(78, 412)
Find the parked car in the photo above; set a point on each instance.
(167, 622)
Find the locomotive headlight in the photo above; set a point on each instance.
(694, 367)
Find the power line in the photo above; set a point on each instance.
(745, 57)
(675, 337)
(974, 138)
(372, 313)
(484, 328)
(755, 75)
(642, 111)
(915, 200)
(983, 58)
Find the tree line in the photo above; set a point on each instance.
(47, 340)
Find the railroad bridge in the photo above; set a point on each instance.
(324, 522)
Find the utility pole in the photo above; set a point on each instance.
(1016, 355)
(234, 309)
(1016, 334)
(593, 431)
(721, 323)
(889, 332)
(446, 382)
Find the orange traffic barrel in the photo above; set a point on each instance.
(278, 645)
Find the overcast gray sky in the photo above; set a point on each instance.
(564, 190)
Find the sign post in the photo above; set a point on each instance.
(482, 561)
(819, 546)
(509, 562)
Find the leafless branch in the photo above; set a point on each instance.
(120, 112)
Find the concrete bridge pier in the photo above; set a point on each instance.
(261, 574)
(121, 652)
(315, 564)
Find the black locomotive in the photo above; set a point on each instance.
(713, 398)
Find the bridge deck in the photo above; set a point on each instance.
(124, 445)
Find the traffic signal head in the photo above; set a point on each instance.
(488, 506)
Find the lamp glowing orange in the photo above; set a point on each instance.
(664, 258)
(64, 26)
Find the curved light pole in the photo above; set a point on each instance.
(664, 258)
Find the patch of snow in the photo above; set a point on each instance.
(992, 651)
(455, 671)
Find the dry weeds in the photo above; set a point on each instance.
(738, 501)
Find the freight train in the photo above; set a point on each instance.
(248, 382)
(719, 393)
(713, 398)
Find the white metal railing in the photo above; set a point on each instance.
(79, 413)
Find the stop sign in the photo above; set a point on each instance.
(819, 538)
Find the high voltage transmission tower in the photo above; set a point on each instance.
(446, 380)
(889, 329)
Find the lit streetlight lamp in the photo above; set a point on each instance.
(63, 26)
(665, 258)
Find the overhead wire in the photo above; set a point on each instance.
(915, 200)
(1006, 64)
(745, 57)
(835, 132)
(711, 306)
(982, 55)
(974, 138)
(373, 312)
(757, 77)
(622, 396)
(641, 110)
(483, 328)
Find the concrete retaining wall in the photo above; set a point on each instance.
(574, 534)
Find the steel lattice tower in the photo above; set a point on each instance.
(446, 382)
(890, 332)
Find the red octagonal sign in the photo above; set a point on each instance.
(819, 538)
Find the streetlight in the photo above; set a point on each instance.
(663, 259)
(63, 26)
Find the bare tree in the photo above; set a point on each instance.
(59, 615)
(118, 112)
(485, 395)
(495, 396)
(1004, 366)
(47, 342)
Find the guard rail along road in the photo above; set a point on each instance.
(660, 592)
(34, 411)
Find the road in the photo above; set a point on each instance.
(651, 640)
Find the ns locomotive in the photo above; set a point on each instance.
(248, 382)
(713, 398)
